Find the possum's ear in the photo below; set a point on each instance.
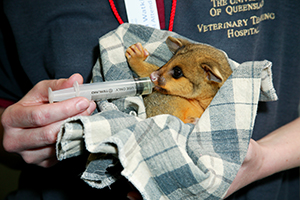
(175, 43)
(212, 70)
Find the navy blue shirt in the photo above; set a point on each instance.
(54, 39)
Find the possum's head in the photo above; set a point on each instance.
(195, 70)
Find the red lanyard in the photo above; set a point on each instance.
(172, 15)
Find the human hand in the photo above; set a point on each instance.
(250, 169)
(276, 152)
(32, 124)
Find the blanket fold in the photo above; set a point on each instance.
(161, 156)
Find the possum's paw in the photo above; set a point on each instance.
(136, 54)
(192, 120)
(195, 121)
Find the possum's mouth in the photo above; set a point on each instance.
(161, 90)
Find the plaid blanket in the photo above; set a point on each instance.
(161, 156)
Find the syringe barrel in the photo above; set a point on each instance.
(104, 90)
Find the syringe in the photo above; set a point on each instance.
(104, 90)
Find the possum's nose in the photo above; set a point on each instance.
(157, 78)
(154, 76)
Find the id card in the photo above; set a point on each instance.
(142, 12)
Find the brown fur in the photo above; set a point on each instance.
(186, 84)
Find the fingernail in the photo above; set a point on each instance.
(82, 105)
(92, 107)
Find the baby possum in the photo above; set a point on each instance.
(187, 83)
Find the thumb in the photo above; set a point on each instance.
(66, 83)
(39, 93)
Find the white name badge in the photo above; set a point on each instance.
(142, 12)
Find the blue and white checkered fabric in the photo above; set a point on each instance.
(161, 156)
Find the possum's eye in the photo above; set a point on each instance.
(177, 72)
